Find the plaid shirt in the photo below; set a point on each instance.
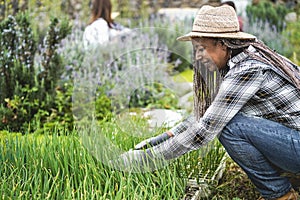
(250, 87)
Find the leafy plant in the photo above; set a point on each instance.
(11, 7)
(139, 9)
(268, 12)
(153, 95)
(62, 167)
(17, 112)
(60, 116)
(51, 69)
(16, 56)
(17, 79)
(103, 107)
(293, 36)
(23, 91)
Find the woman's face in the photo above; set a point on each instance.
(211, 53)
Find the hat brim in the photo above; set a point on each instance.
(235, 35)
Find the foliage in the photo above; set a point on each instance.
(270, 36)
(180, 53)
(139, 9)
(50, 71)
(45, 100)
(153, 95)
(19, 110)
(17, 81)
(11, 7)
(61, 167)
(120, 69)
(60, 116)
(268, 12)
(266, 21)
(56, 8)
(293, 35)
(55, 106)
(24, 92)
(234, 177)
(103, 107)
(16, 56)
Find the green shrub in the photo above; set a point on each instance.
(293, 35)
(61, 115)
(139, 9)
(268, 12)
(16, 56)
(103, 107)
(17, 111)
(154, 95)
(26, 85)
(17, 77)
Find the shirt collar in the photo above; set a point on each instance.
(238, 58)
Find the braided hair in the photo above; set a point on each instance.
(268, 56)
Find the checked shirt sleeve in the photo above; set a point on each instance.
(181, 127)
(236, 89)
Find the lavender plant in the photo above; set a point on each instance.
(121, 67)
(268, 13)
(269, 35)
(167, 30)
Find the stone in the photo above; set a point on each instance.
(163, 117)
(291, 17)
(186, 102)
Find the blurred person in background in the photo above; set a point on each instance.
(102, 28)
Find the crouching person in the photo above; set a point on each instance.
(256, 113)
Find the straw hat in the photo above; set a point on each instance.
(219, 22)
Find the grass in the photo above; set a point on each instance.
(59, 167)
(185, 76)
(62, 167)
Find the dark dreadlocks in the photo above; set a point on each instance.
(267, 56)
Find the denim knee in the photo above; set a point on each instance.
(261, 148)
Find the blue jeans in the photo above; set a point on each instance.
(263, 149)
